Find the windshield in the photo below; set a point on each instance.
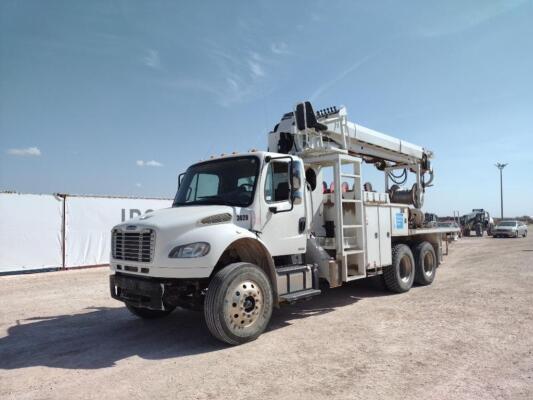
(229, 181)
(507, 223)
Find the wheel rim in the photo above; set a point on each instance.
(429, 263)
(244, 304)
(406, 268)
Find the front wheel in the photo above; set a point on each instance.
(400, 275)
(145, 313)
(238, 304)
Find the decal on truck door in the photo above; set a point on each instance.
(399, 221)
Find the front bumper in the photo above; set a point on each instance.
(148, 270)
(504, 233)
(157, 293)
(137, 292)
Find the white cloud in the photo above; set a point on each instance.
(256, 69)
(138, 184)
(29, 151)
(240, 75)
(151, 163)
(279, 48)
(151, 59)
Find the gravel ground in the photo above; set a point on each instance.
(469, 335)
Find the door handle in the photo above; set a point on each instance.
(388, 234)
(301, 224)
(376, 235)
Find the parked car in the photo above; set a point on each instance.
(510, 229)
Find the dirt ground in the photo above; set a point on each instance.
(468, 336)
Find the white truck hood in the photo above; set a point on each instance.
(185, 216)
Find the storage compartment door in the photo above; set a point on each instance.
(385, 236)
(372, 236)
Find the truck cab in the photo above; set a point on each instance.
(236, 209)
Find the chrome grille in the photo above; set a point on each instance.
(133, 246)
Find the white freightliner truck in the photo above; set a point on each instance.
(249, 232)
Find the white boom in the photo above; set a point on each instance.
(329, 128)
(304, 133)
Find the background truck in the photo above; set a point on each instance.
(249, 232)
(478, 221)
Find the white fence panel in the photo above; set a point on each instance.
(30, 232)
(89, 221)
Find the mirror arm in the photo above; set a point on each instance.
(274, 209)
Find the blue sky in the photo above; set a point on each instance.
(118, 97)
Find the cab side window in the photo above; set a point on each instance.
(277, 182)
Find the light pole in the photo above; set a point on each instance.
(501, 166)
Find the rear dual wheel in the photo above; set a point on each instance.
(426, 263)
(407, 268)
(399, 277)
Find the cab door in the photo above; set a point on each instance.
(283, 223)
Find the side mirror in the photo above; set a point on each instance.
(180, 177)
(296, 175)
(296, 182)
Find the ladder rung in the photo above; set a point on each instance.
(351, 226)
(357, 251)
(350, 175)
(350, 201)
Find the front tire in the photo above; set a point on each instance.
(426, 263)
(238, 304)
(145, 313)
(400, 275)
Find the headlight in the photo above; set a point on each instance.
(191, 250)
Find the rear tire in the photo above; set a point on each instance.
(145, 313)
(426, 263)
(400, 275)
(238, 304)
